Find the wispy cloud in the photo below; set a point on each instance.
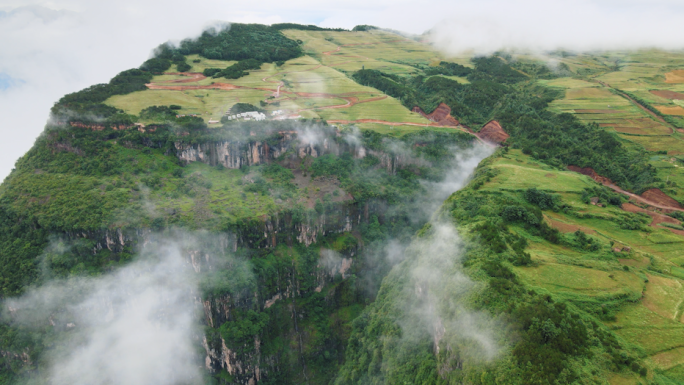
(137, 325)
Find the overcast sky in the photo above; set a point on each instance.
(50, 48)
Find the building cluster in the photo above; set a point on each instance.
(276, 112)
(180, 116)
(251, 115)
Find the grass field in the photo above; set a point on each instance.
(593, 103)
(519, 172)
(580, 280)
(209, 104)
(368, 50)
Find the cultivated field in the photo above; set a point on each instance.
(312, 86)
(641, 289)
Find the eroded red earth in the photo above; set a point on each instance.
(493, 132)
(441, 115)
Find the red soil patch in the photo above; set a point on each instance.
(193, 77)
(659, 197)
(441, 115)
(668, 94)
(660, 200)
(383, 122)
(588, 171)
(657, 217)
(493, 132)
(215, 86)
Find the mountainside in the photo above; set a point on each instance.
(290, 204)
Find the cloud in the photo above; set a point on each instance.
(136, 325)
(457, 176)
(583, 25)
(439, 288)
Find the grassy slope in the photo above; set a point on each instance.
(644, 285)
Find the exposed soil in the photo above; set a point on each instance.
(193, 77)
(493, 132)
(668, 94)
(215, 86)
(668, 110)
(659, 197)
(441, 115)
(674, 77)
(657, 217)
(653, 197)
(588, 171)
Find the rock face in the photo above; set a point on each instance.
(235, 154)
(493, 132)
(441, 115)
(231, 154)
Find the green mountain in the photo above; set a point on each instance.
(290, 204)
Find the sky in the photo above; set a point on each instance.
(53, 47)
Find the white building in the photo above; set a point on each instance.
(250, 115)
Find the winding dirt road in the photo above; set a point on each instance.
(641, 199)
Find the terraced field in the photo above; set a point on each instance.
(312, 86)
(642, 286)
(594, 103)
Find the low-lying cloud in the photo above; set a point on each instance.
(439, 289)
(581, 26)
(137, 325)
